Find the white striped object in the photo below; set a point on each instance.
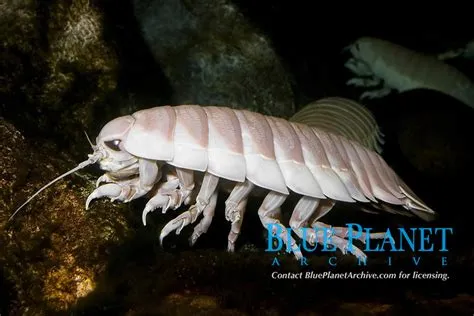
(344, 117)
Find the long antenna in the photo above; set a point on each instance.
(92, 159)
(89, 140)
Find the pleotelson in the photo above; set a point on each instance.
(270, 152)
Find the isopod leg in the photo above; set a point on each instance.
(168, 195)
(162, 198)
(110, 190)
(300, 217)
(344, 246)
(129, 189)
(207, 201)
(269, 213)
(358, 67)
(364, 82)
(323, 208)
(186, 185)
(341, 232)
(304, 209)
(236, 225)
(380, 93)
(205, 222)
(149, 175)
(105, 178)
(208, 188)
(235, 209)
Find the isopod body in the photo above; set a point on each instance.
(158, 151)
(379, 62)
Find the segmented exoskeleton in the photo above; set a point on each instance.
(379, 62)
(159, 151)
(343, 117)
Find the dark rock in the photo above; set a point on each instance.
(53, 251)
(213, 56)
(57, 68)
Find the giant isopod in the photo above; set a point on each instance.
(381, 63)
(162, 151)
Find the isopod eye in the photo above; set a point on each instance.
(113, 144)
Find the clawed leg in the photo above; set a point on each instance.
(376, 93)
(186, 186)
(364, 82)
(268, 213)
(208, 188)
(343, 232)
(178, 189)
(163, 198)
(236, 225)
(235, 209)
(121, 175)
(300, 216)
(323, 233)
(123, 191)
(361, 69)
(205, 222)
(168, 195)
(110, 190)
(105, 178)
(128, 189)
(323, 208)
(344, 246)
(305, 207)
(358, 67)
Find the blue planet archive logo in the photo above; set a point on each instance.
(415, 240)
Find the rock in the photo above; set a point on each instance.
(53, 251)
(57, 67)
(213, 56)
(186, 303)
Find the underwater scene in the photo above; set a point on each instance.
(232, 157)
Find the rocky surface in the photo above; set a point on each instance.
(53, 251)
(212, 54)
(58, 68)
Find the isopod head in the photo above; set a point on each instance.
(110, 144)
(365, 49)
(109, 152)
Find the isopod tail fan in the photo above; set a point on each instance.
(93, 158)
